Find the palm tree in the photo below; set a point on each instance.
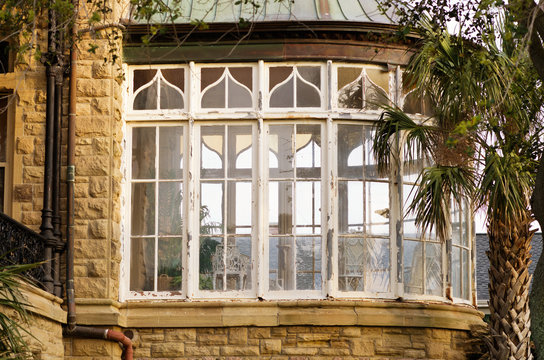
(482, 143)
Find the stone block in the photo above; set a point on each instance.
(92, 165)
(193, 350)
(25, 145)
(361, 347)
(397, 340)
(212, 339)
(98, 229)
(34, 129)
(434, 350)
(98, 186)
(259, 333)
(101, 146)
(299, 351)
(91, 209)
(237, 336)
(92, 126)
(86, 347)
(415, 354)
(181, 334)
(22, 193)
(270, 346)
(334, 352)
(33, 174)
(101, 106)
(88, 287)
(351, 331)
(93, 88)
(238, 350)
(97, 268)
(168, 350)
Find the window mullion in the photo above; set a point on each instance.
(329, 217)
(193, 210)
(260, 178)
(156, 181)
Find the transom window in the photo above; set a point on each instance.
(256, 181)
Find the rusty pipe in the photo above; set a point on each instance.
(89, 332)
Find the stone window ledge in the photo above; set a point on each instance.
(43, 303)
(176, 314)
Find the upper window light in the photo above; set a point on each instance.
(226, 87)
(295, 86)
(362, 88)
(158, 89)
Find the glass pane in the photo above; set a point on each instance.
(280, 207)
(412, 104)
(308, 207)
(307, 95)
(278, 75)
(170, 208)
(142, 264)
(347, 75)
(456, 224)
(171, 152)
(413, 266)
(377, 208)
(350, 151)
(214, 96)
(211, 208)
(238, 261)
(351, 264)
(147, 98)
(283, 95)
(456, 271)
(433, 269)
(281, 144)
(281, 263)
(211, 263)
(240, 152)
(209, 75)
(308, 155)
(3, 125)
(466, 275)
(308, 263)
(371, 164)
(244, 75)
(175, 77)
(143, 153)
(143, 209)
(351, 96)
(350, 207)
(239, 96)
(212, 139)
(377, 261)
(170, 97)
(142, 77)
(375, 97)
(311, 74)
(239, 207)
(169, 271)
(379, 77)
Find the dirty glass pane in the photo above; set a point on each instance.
(376, 260)
(170, 152)
(238, 96)
(176, 77)
(466, 274)
(375, 97)
(308, 263)
(211, 208)
(350, 207)
(212, 151)
(3, 125)
(281, 144)
(351, 96)
(238, 261)
(283, 95)
(170, 208)
(147, 98)
(143, 153)
(278, 74)
(308, 207)
(311, 74)
(169, 269)
(347, 75)
(456, 224)
(351, 253)
(308, 154)
(413, 266)
(379, 77)
(244, 75)
(280, 207)
(433, 269)
(371, 164)
(412, 104)
(281, 263)
(143, 209)
(142, 264)
(211, 263)
(240, 152)
(214, 96)
(142, 77)
(170, 97)
(239, 220)
(350, 151)
(377, 208)
(307, 95)
(209, 75)
(456, 271)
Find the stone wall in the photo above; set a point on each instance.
(303, 342)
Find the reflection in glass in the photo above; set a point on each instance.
(143, 209)
(308, 263)
(169, 267)
(307, 95)
(466, 272)
(214, 96)
(238, 96)
(311, 74)
(146, 99)
(170, 97)
(377, 205)
(308, 207)
(375, 97)
(377, 276)
(142, 264)
(211, 205)
(171, 152)
(456, 271)
(433, 269)
(351, 264)
(170, 208)
(413, 266)
(207, 255)
(143, 153)
(351, 96)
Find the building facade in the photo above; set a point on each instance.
(226, 202)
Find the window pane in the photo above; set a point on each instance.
(238, 261)
(281, 263)
(375, 97)
(281, 144)
(142, 77)
(169, 272)
(240, 223)
(209, 75)
(433, 269)
(143, 209)
(413, 266)
(280, 207)
(311, 74)
(211, 263)
(214, 96)
(308, 207)
(308, 263)
(147, 98)
(347, 75)
(278, 75)
(171, 152)
(350, 264)
(350, 151)
(212, 152)
(307, 95)
(308, 155)
(239, 96)
(377, 208)
(175, 77)
(244, 75)
(142, 264)
(170, 97)
(351, 96)
(283, 95)
(211, 208)
(143, 153)
(377, 263)
(466, 275)
(170, 208)
(350, 207)
(240, 152)
(456, 271)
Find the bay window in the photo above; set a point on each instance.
(258, 181)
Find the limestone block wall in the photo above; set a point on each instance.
(304, 342)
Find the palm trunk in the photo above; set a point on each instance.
(509, 280)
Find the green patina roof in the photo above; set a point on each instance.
(228, 11)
